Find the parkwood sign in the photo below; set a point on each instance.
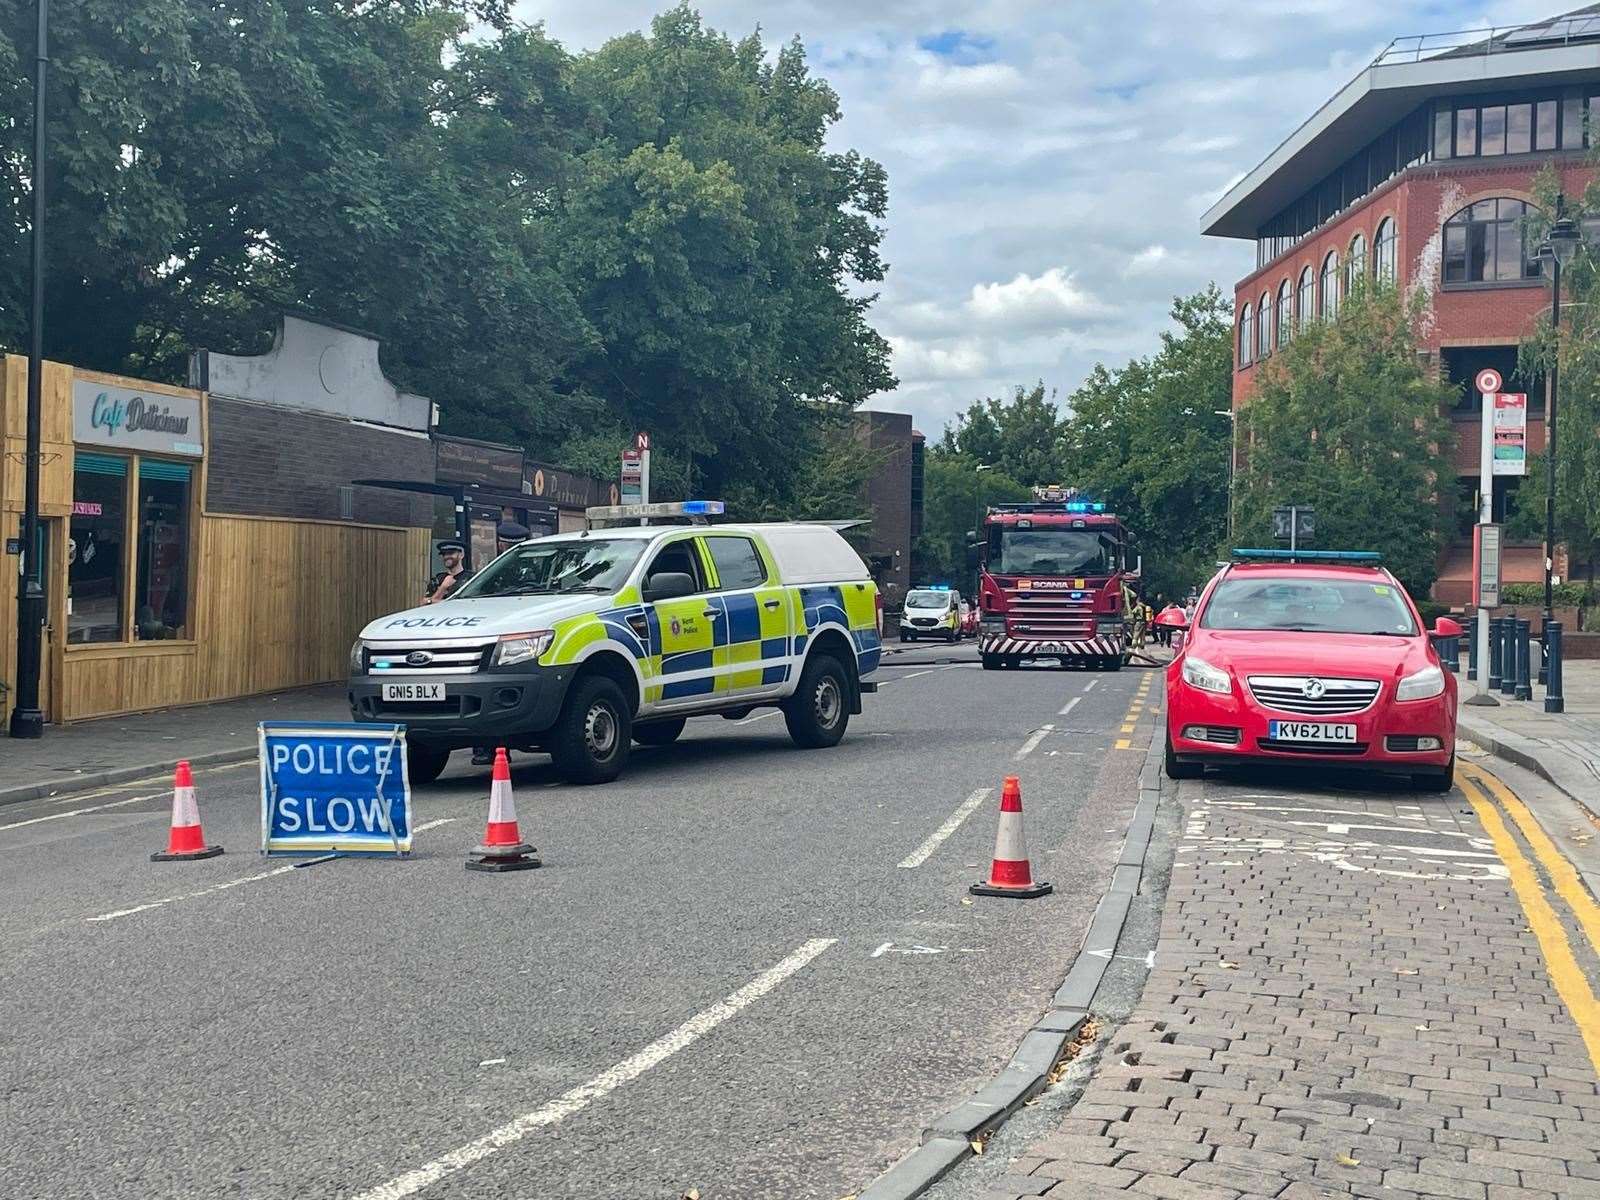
(125, 419)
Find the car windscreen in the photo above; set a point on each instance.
(1045, 551)
(928, 599)
(1310, 606)
(548, 567)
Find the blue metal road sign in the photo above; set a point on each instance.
(329, 787)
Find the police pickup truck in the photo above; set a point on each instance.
(581, 643)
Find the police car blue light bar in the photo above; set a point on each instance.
(675, 508)
(1349, 556)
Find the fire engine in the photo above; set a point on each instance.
(1056, 581)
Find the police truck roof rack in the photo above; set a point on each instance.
(698, 512)
(1354, 558)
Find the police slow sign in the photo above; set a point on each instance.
(334, 788)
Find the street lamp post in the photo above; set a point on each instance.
(1558, 249)
(1233, 454)
(27, 718)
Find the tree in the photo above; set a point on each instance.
(955, 494)
(1346, 418)
(1148, 441)
(1019, 435)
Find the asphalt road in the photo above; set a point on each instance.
(744, 968)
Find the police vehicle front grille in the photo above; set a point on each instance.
(455, 659)
(1287, 693)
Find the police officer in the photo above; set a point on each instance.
(453, 553)
(507, 534)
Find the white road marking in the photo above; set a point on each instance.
(78, 812)
(602, 1085)
(1071, 704)
(434, 824)
(1034, 738)
(765, 715)
(1090, 686)
(216, 887)
(916, 674)
(925, 851)
(919, 949)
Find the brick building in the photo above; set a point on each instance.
(1421, 171)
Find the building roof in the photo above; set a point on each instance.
(1556, 50)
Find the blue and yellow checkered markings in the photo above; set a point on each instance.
(676, 689)
(743, 622)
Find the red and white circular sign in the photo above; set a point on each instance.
(1488, 380)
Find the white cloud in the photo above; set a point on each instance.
(1035, 174)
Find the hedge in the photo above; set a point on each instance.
(1566, 595)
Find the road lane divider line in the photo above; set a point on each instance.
(78, 812)
(925, 851)
(206, 891)
(1034, 738)
(1071, 704)
(1563, 875)
(76, 797)
(1090, 686)
(1565, 974)
(579, 1098)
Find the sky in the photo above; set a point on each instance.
(1049, 160)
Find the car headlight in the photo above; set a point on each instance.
(358, 658)
(1197, 672)
(514, 648)
(1424, 685)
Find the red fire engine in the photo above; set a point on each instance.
(1057, 581)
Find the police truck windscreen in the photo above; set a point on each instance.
(928, 599)
(551, 567)
(1047, 551)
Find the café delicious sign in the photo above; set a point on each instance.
(125, 419)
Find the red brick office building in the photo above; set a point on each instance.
(1418, 171)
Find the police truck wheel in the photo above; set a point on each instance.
(819, 710)
(658, 733)
(590, 740)
(424, 764)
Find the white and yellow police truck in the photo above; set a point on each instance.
(582, 643)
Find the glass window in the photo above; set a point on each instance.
(1285, 314)
(1264, 326)
(1519, 128)
(1355, 267)
(738, 563)
(1572, 123)
(1308, 289)
(1544, 126)
(559, 564)
(1247, 336)
(1492, 130)
(97, 555)
(1329, 308)
(929, 598)
(1384, 250)
(1466, 132)
(1050, 551)
(161, 588)
(1443, 125)
(1590, 122)
(1305, 605)
(1487, 242)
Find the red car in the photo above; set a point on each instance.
(1321, 663)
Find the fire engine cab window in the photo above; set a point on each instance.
(97, 552)
(1323, 606)
(1049, 552)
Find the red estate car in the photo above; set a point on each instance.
(1322, 663)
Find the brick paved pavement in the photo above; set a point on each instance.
(1347, 1000)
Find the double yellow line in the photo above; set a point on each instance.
(1135, 711)
(1490, 799)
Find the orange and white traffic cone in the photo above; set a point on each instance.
(1011, 875)
(184, 839)
(503, 848)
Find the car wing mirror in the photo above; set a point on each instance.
(1446, 627)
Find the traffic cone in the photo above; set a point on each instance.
(1011, 875)
(184, 839)
(503, 848)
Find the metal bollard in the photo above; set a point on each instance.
(1508, 656)
(1494, 654)
(1523, 690)
(1554, 702)
(1544, 657)
(1472, 647)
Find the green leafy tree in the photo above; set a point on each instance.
(955, 494)
(1019, 435)
(1347, 419)
(1148, 441)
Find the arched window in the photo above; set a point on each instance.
(1328, 309)
(1264, 326)
(1488, 242)
(1247, 336)
(1355, 264)
(1285, 314)
(1307, 299)
(1385, 250)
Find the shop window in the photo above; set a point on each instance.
(161, 589)
(97, 553)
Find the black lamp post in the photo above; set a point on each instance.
(27, 718)
(1558, 249)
